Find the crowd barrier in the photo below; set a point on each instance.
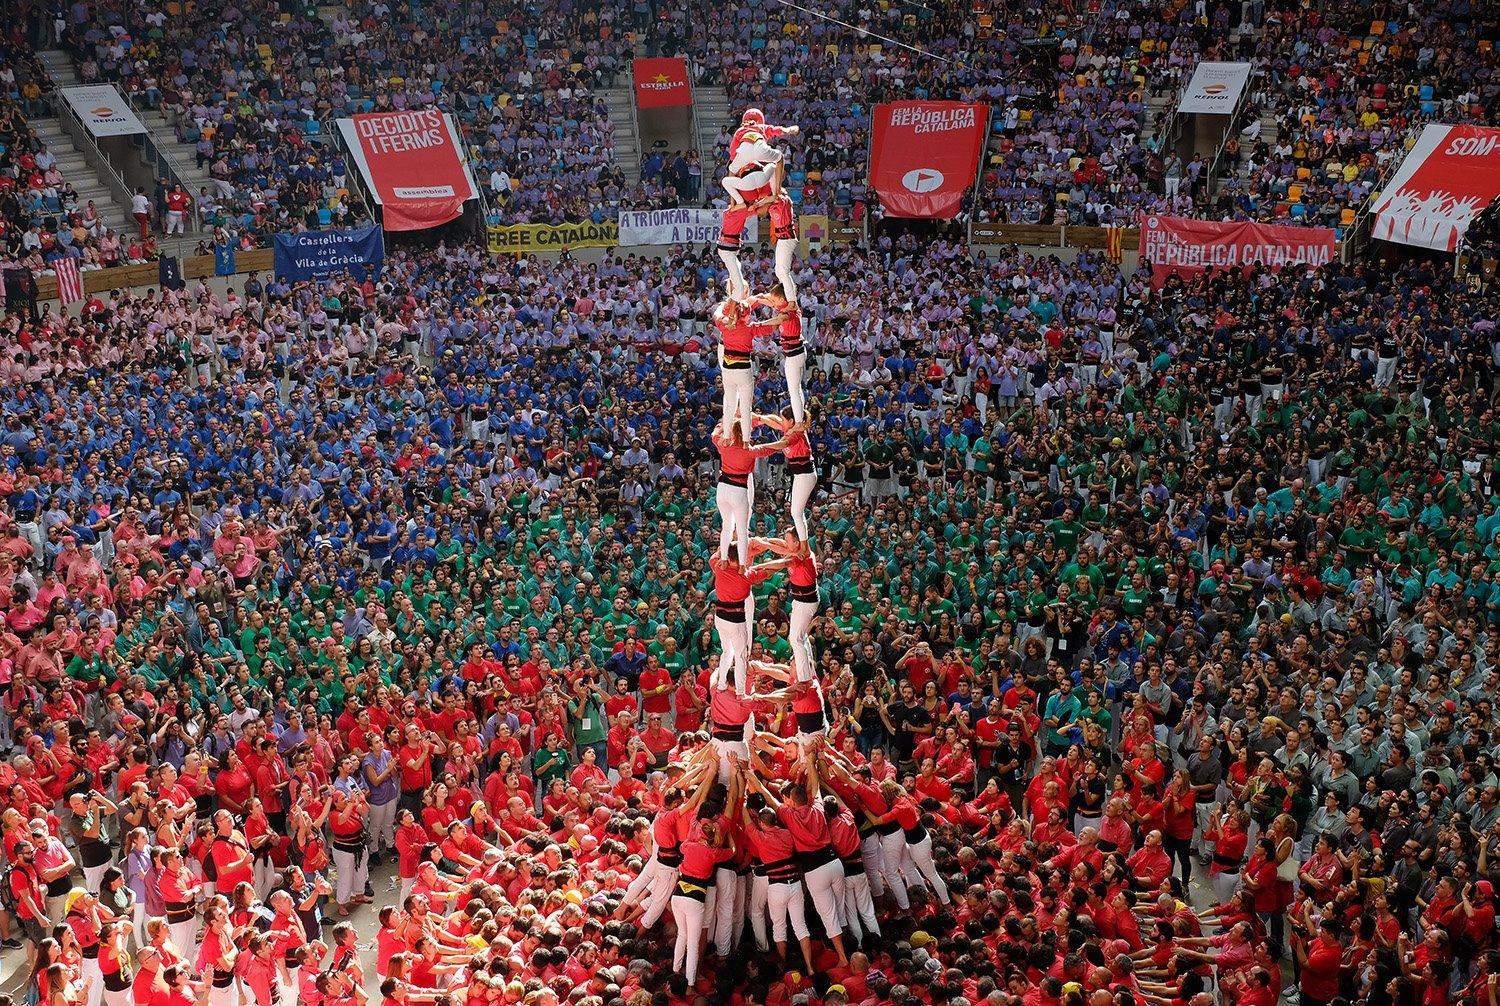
(519, 238)
(149, 273)
(1052, 236)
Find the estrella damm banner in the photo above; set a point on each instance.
(517, 239)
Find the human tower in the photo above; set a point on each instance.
(762, 815)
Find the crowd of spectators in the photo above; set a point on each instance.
(41, 216)
(1348, 93)
(258, 114)
(1073, 137)
(1176, 608)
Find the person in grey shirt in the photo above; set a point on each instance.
(1206, 772)
(1365, 759)
(1337, 778)
(1158, 696)
(380, 769)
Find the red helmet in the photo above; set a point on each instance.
(754, 115)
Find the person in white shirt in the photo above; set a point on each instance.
(140, 208)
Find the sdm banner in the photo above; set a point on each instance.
(517, 239)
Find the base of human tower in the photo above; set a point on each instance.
(766, 840)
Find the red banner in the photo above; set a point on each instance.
(662, 82)
(924, 155)
(1178, 246)
(1449, 177)
(414, 163)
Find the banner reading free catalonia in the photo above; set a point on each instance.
(516, 239)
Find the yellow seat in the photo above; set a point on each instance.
(1346, 216)
(1294, 193)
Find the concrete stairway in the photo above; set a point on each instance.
(59, 66)
(74, 166)
(627, 139)
(182, 155)
(715, 115)
(84, 179)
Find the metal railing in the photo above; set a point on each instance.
(353, 179)
(88, 145)
(1358, 235)
(692, 74)
(481, 186)
(984, 155)
(160, 161)
(1235, 116)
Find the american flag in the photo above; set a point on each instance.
(69, 281)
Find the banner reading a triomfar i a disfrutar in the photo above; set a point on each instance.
(681, 225)
(414, 164)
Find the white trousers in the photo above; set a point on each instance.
(783, 903)
(226, 996)
(739, 395)
(93, 876)
(95, 979)
(737, 288)
(870, 847)
(892, 857)
(735, 504)
(1385, 371)
(662, 888)
(352, 867)
(382, 825)
(287, 992)
(642, 882)
(803, 486)
(734, 654)
(799, 635)
(725, 749)
(794, 366)
(1225, 885)
(688, 914)
(264, 877)
(184, 936)
(825, 886)
(125, 997)
(739, 185)
(729, 907)
(920, 856)
(138, 924)
(859, 906)
(784, 249)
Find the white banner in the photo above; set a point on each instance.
(683, 226)
(103, 111)
(1215, 88)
